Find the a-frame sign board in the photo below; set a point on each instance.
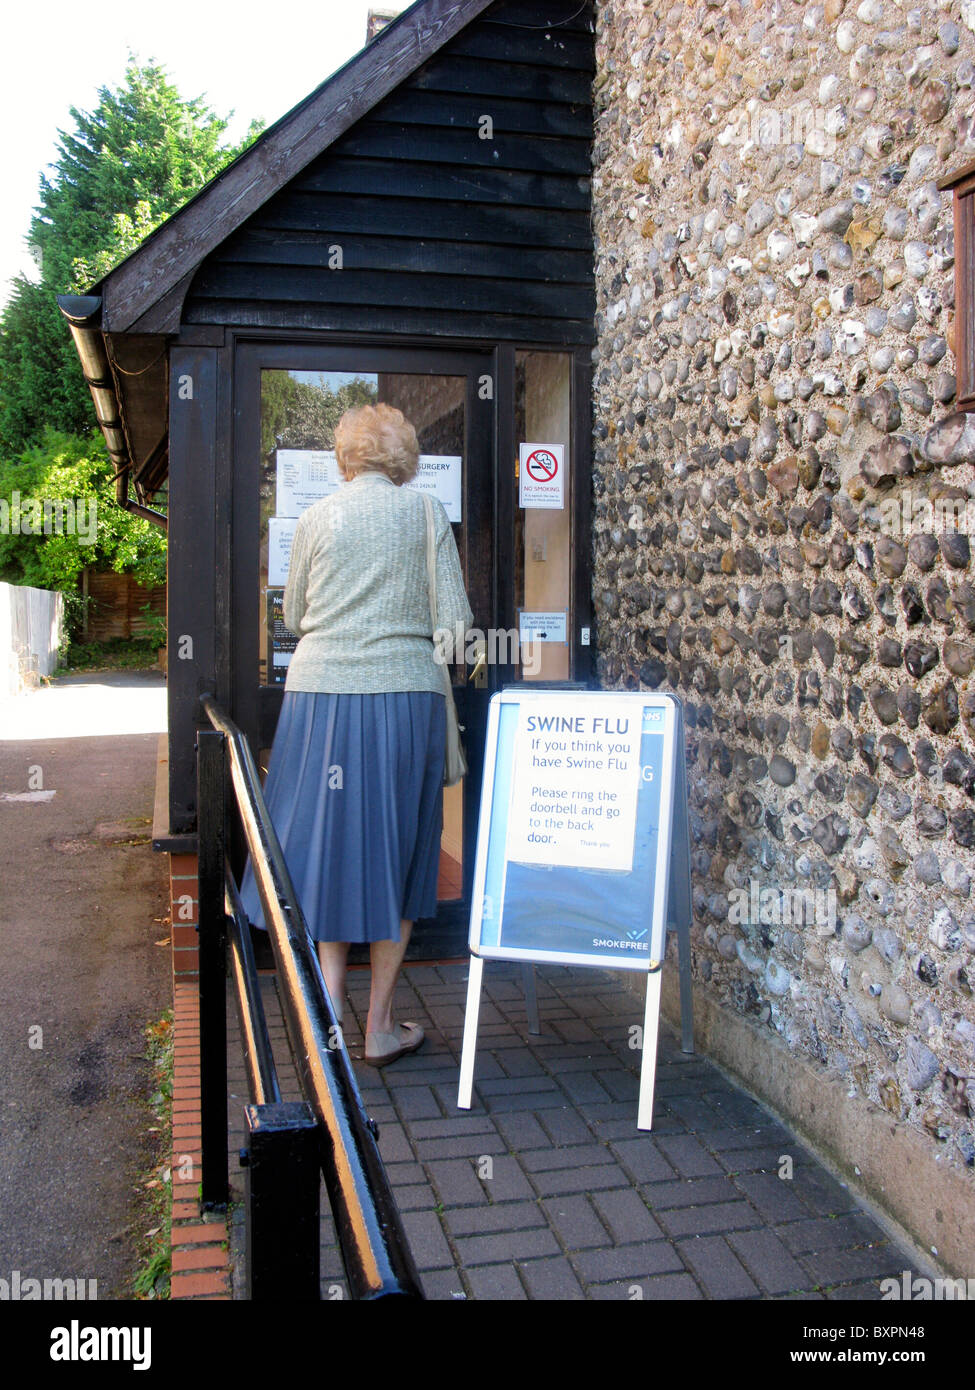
(583, 855)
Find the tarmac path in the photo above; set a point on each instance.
(83, 903)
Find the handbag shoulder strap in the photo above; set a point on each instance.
(431, 559)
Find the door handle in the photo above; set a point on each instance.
(479, 674)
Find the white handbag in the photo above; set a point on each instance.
(455, 764)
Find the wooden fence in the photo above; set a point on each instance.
(116, 605)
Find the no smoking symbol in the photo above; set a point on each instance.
(541, 466)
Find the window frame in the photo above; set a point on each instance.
(961, 184)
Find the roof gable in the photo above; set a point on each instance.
(458, 207)
(445, 230)
(141, 294)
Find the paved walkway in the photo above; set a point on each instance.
(545, 1189)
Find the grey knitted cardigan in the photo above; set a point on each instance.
(357, 592)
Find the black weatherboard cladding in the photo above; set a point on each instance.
(441, 232)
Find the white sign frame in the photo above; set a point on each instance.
(658, 918)
(672, 798)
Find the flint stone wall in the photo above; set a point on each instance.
(782, 506)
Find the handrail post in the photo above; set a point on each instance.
(283, 1188)
(210, 791)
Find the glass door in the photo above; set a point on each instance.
(289, 400)
(543, 515)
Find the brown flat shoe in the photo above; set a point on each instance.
(383, 1048)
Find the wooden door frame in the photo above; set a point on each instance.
(205, 521)
(251, 351)
(256, 707)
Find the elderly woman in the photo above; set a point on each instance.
(355, 775)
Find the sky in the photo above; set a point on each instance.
(257, 60)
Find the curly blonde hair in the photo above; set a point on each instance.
(377, 437)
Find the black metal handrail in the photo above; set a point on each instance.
(374, 1247)
(262, 1075)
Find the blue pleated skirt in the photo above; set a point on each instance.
(354, 791)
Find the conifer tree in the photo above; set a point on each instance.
(123, 169)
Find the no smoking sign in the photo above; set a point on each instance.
(541, 475)
(541, 465)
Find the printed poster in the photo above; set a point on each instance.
(305, 476)
(575, 783)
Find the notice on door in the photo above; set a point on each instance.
(280, 538)
(541, 476)
(281, 641)
(541, 627)
(575, 783)
(441, 475)
(303, 477)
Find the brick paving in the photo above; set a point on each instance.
(545, 1189)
